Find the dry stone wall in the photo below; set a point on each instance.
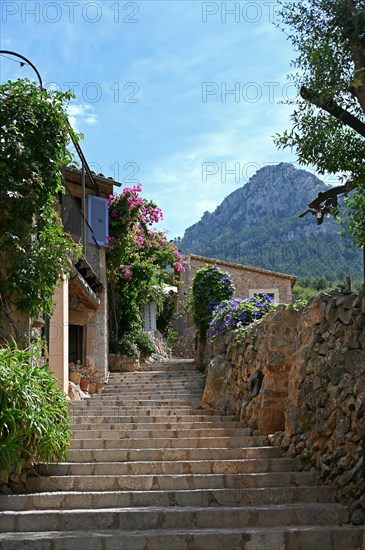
(313, 391)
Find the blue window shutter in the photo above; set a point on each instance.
(98, 219)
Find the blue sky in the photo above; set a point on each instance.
(181, 95)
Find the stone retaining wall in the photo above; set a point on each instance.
(313, 391)
(184, 346)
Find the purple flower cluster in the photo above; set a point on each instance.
(237, 313)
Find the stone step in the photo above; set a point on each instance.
(160, 443)
(174, 517)
(155, 425)
(255, 538)
(171, 433)
(180, 374)
(151, 396)
(167, 368)
(157, 416)
(176, 406)
(163, 383)
(162, 370)
(207, 466)
(106, 421)
(125, 388)
(168, 406)
(249, 538)
(160, 382)
(114, 393)
(169, 481)
(199, 497)
(137, 392)
(150, 381)
(84, 453)
(149, 470)
(191, 442)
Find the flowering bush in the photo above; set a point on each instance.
(211, 286)
(137, 258)
(238, 313)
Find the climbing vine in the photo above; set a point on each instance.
(34, 249)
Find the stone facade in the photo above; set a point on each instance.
(312, 397)
(78, 327)
(248, 281)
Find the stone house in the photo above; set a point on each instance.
(248, 281)
(77, 329)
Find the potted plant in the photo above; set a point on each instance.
(74, 372)
(89, 378)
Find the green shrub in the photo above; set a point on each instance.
(133, 343)
(171, 337)
(34, 416)
(124, 346)
(211, 286)
(144, 342)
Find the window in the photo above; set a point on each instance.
(98, 219)
(71, 215)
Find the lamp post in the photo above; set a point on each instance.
(22, 63)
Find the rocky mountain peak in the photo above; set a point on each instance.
(258, 224)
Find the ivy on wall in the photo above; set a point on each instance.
(35, 251)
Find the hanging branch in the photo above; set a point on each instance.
(329, 105)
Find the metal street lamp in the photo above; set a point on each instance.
(22, 63)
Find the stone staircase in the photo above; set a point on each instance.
(148, 470)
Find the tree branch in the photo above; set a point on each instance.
(332, 194)
(333, 109)
(330, 200)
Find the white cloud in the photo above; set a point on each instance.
(80, 115)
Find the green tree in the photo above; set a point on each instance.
(35, 251)
(329, 119)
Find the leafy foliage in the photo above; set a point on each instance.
(144, 343)
(138, 257)
(211, 286)
(133, 344)
(34, 418)
(356, 218)
(237, 313)
(34, 249)
(124, 346)
(165, 313)
(329, 36)
(307, 287)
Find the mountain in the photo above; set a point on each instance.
(258, 225)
